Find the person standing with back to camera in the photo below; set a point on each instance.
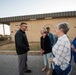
(50, 36)
(22, 47)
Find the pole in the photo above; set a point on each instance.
(3, 30)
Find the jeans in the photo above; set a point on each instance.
(61, 72)
(74, 54)
(47, 60)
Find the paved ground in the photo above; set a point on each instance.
(9, 65)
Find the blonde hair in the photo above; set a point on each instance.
(43, 30)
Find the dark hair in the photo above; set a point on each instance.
(23, 23)
(47, 27)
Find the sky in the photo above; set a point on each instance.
(9, 8)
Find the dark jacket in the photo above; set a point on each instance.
(51, 39)
(45, 44)
(21, 42)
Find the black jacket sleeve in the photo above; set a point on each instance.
(41, 42)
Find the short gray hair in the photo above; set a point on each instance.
(64, 26)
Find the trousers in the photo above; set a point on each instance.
(22, 60)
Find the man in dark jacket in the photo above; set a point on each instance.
(22, 47)
(50, 36)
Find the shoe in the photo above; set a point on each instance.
(28, 71)
(48, 72)
(43, 69)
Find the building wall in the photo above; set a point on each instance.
(34, 26)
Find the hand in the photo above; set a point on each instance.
(73, 48)
(42, 51)
(51, 60)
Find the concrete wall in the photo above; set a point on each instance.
(34, 27)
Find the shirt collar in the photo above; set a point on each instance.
(63, 36)
(22, 31)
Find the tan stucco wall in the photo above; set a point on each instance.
(34, 27)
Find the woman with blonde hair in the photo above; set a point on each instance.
(46, 50)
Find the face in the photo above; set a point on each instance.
(57, 31)
(24, 27)
(48, 30)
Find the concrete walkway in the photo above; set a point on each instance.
(14, 52)
(9, 65)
